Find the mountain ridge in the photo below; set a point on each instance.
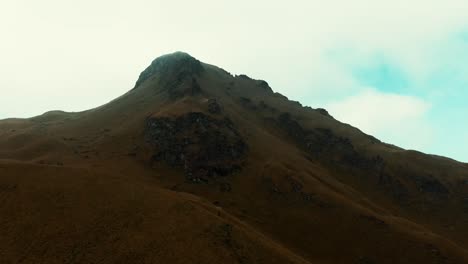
(263, 179)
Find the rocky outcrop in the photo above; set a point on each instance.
(176, 66)
(183, 87)
(323, 144)
(326, 147)
(431, 185)
(247, 103)
(323, 111)
(213, 106)
(264, 85)
(426, 183)
(203, 146)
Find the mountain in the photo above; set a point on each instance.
(195, 165)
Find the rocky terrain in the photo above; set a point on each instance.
(204, 146)
(196, 165)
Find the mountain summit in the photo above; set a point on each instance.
(175, 65)
(195, 165)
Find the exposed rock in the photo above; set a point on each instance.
(176, 65)
(265, 106)
(428, 184)
(276, 94)
(203, 146)
(322, 140)
(243, 76)
(323, 144)
(181, 88)
(213, 106)
(323, 112)
(247, 103)
(373, 140)
(297, 103)
(264, 85)
(292, 128)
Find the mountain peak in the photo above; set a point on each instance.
(231, 170)
(178, 63)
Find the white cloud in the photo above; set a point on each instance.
(397, 119)
(110, 42)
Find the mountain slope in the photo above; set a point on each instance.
(194, 165)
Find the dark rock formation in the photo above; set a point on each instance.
(323, 144)
(213, 106)
(203, 146)
(323, 112)
(264, 85)
(243, 76)
(247, 103)
(265, 106)
(183, 87)
(291, 127)
(279, 95)
(428, 184)
(176, 65)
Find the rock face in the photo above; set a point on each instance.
(321, 143)
(172, 66)
(431, 185)
(325, 146)
(264, 85)
(203, 146)
(213, 106)
(323, 111)
(184, 86)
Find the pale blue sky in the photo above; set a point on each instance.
(394, 69)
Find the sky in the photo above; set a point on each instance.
(395, 69)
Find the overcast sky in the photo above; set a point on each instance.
(395, 69)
